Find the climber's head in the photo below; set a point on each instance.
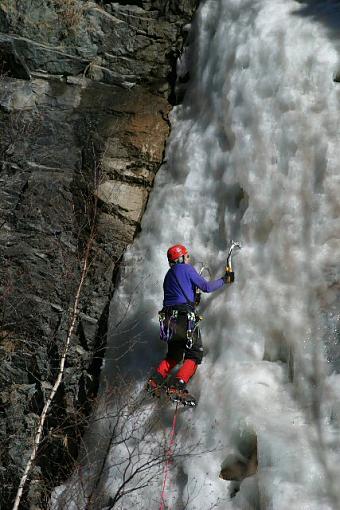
(178, 254)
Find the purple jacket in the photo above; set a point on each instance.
(188, 278)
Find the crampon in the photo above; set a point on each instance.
(177, 392)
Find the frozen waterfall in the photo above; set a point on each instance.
(253, 156)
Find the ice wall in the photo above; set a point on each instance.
(253, 156)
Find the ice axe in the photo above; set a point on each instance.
(234, 244)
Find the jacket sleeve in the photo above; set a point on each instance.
(203, 284)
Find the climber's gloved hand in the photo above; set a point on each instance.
(229, 275)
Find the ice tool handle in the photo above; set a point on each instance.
(234, 244)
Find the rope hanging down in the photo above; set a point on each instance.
(168, 459)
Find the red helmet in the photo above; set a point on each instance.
(175, 252)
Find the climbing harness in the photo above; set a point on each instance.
(168, 459)
(192, 323)
(167, 324)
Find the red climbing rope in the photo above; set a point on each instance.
(168, 459)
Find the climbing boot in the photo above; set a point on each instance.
(155, 385)
(177, 392)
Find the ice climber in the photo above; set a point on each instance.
(179, 325)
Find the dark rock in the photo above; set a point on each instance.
(237, 469)
(11, 63)
(116, 44)
(85, 90)
(242, 463)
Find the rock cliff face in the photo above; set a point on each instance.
(85, 90)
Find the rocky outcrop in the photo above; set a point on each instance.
(240, 468)
(85, 91)
(243, 462)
